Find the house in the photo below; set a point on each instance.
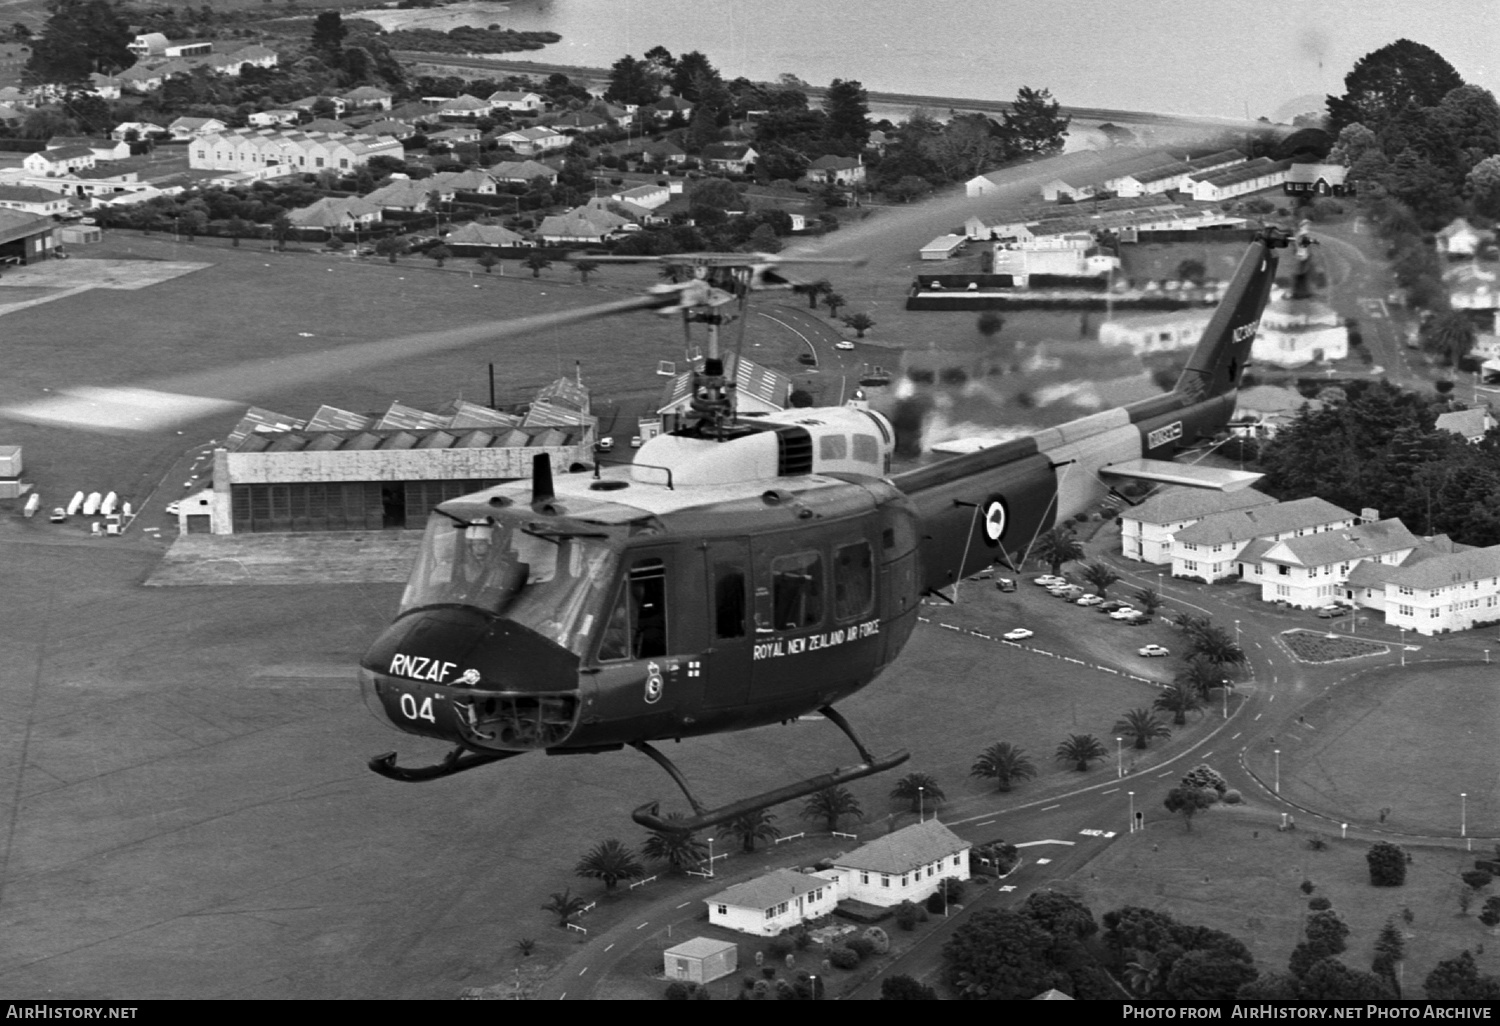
(326, 125)
(406, 195)
(700, 960)
(837, 170)
(509, 99)
(1310, 571)
(533, 140)
(767, 905)
(473, 180)
(142, 129)
(665, 151)
(140, 79)
(454, 136)
(668, 106)
(106, 87)
(943, 247)
(464, 106)
(473, 239)
(104, 149)
(26, 238)
(761, 390)
(257, 150)
(368, 96)
(1154, 180)
(254, 54)
(1459, 239)
(1262, 410)
(33, 200)
(190, 128)
(1229, 543)
(1450, 592)
(1470, 425)
(581, 224)
(273, 118)
(1239, 180)
(1298, 330)
(1471, 286)
(307, 103)
(1316, 180)
(978, 228)
(388, 127)
(523, 171)
(60, 161)
(337, 213)
(415, 113)
(1146, 529)
(576, 122)
(648, 197)
(736, 158)
(1156, 333)
(155, 44)
(906, 865)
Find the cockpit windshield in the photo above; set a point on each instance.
(554, 584)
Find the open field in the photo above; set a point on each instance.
(1237, 873)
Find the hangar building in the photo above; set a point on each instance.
(25, 238)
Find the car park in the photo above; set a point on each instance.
(1153, 650)
(1089, 600)
(1125, 613)
(1019, 634)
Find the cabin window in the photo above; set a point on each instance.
(866, 449)
(729, 600)
(797, 590)
(637, 627)
(833, 447)
(853, 580)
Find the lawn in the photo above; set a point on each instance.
(1324, 647)
(1235, 872)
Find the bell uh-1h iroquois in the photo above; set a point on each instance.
(744, 571)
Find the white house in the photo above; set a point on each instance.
(509, 99)
(533, 140)
(338, 213)
(59, 161)
(1471, 287)
(700, 960)
(190, 128)
(1316, 180)
(775, 902)
(32, 200)
(142, 129)
(736, 158)
(1311, 571)
(1229, 543)
(1470, 425)
(524, 171)
(977, 228)
(1262, 410)
(1156, 333)
(1459, 239)
(273, 118)
(839, 170)
(368, 96)
(464, 106)
(647, 196)
(1452, 592)
(905, 865)
(581, 224)
(1146, 529)
(1294, 332)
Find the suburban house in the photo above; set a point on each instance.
(737, 158)
(337, 213)
(578, 121)
(1311, 571)
(1316, 180)
(905, 865)
(1471, 286)
(190, 128)
(473, 238)
(326, 125)
(273, 118)
(700, 960)
(32, 200)
(1470, 425)
(454, 136)
(368, 96)
(307, 103)
(142, 129)
(464, 106)
(1459, 239)
(414, 112)
(670, 105)
(1146, 529)
(775, 902)
(409, 196)
(106, 87)
(139, 79)
(1450, 592)
(648, 197)
(1231, 543)
(978, 228)
(665, 151)
(507, 99)
(59, 161)
(389, 127)
(581, 224)
(533, 140)
(104, 149)
(523, 171)
(1156, 333)
(473, 180)
(1166, 177)
(837, 170)
(155, 44)
(1262, 410)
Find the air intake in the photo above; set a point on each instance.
(794, 451)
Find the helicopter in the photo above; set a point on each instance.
(740, 571)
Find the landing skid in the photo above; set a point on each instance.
(456, 761)
(649, 815)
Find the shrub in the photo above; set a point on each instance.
(780, 947)
(936, 904)
(801, 939)
(785, 991)
(1233, 797)
(1308, 886)
(906, 916)
(841, 957)
(1492, 868)
(1490, 914)
(1387, 864)
(681, 990)
(768, 971)
(1316, 843)
(861, 946)
(879, 939)
(1319, 903)
(1477, 878)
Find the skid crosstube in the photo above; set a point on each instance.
(456, 761)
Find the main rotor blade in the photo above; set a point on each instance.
(177, 400)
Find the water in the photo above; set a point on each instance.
(1232, 58)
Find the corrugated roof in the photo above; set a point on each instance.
(258, 420)
(399, 416)
(469, 415)
(904, 850)
(1175, 505)
(1363, 541)
(1263, 522)
(767, 891)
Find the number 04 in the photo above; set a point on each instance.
(410, 710)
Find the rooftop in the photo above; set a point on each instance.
(1174, 505)
(1346, 545)
(1452, 569)
(1263, 522)
(905, 849)
(769, 890)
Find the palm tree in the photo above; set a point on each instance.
(813, 289)
(1147, 600)
(833, 301)
(585, 268)
(538, 262)
(611, 862)
(1142, 725)
(677, 848)
(1081, 749)
(1143, 974)
(1003, 763)
(831, 803)
(565, 905)
(1058, 546)
(1191, 623)
(1179, 700)
(1200, 675)
(1100, 574)
(1215, 644)
(860, 322)
(751, 827)
(920, 789)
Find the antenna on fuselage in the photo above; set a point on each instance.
(541, 481)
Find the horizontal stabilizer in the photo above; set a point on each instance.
(1192, 475)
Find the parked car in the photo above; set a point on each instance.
(636, 441)
(1049, 581)
(58, 515)
(1113, 605)
(807, 359)
(1068, 593)
(1329, 612)
(843, 344)
(173, 508)
(1019, 634)
(1138, 620)
(1125, 613)
(1090, 600)
(1153, 650)
(1005, 584)
(605, 444)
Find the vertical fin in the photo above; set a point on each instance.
(1220, 357)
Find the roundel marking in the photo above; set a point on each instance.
(994, 514)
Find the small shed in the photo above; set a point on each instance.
(701, 960)
(943, 247)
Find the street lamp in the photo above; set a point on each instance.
(1463, 815)
(921, 803)
(1224, 691)
(1278, 771)
(1403, 645)
(710, 855)
(1119, 757)
(1132, 810)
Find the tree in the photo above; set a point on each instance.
(1325, 929)
(1216, 645)
(1100, 574)
(611, 862)
(391, 247)
(1004, 764)
(585, 268)
(920, 789)
(565, 905)
(830, 805)
(750, 827)
(328, 34)
(1058, 546)
(1483, 186)
(440, 253)
(1207, 975)
(812, 290)
(679, 849)
(1179, 700)
(990, 324)
(1328, 979)
(1390, 949)
(1035, 123)
(1384, 82)
(1269, 987)
(1000, 955)
(1449, 335)
(1188, 802)
(904, 988)
(1147, 600)
(860, 322)
(833, 301)
(848, 108)
(238, 228)
(1141, 725)
(79, 38)
(1080, 750)
(1387, 864)
(1192, 270)
(633, 81)
(1205, 776)
(1459, 979)
(537, 261)
(487, 261)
